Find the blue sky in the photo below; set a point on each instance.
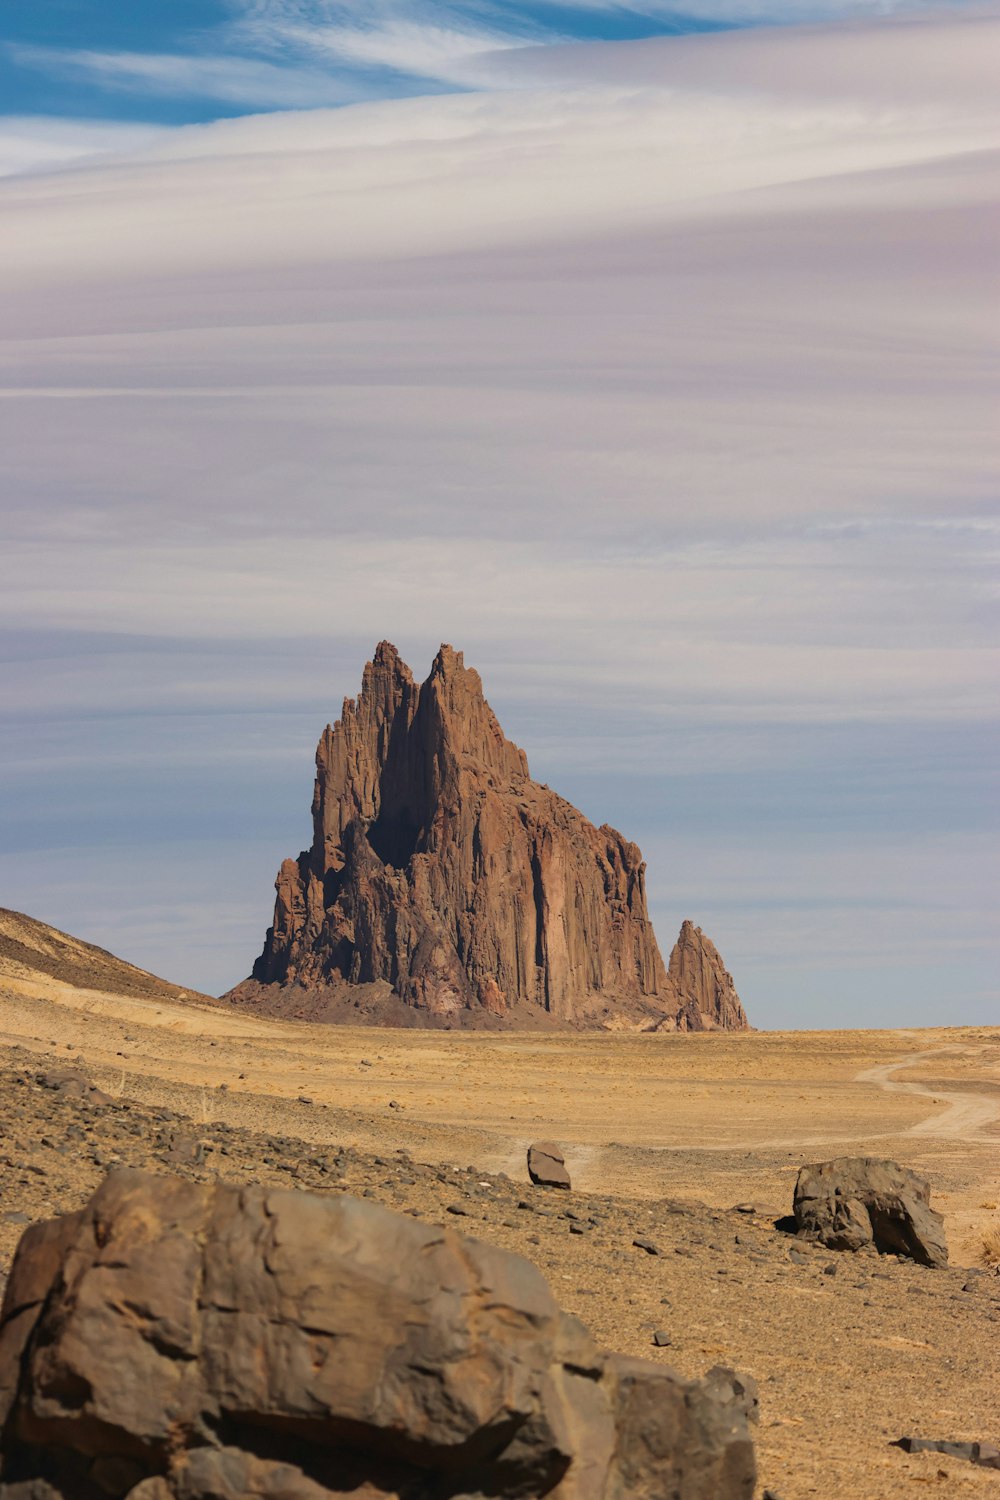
(198, 60)
(652, 366)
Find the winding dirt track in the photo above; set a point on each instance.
(967, 1117)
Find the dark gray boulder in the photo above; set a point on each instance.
(856, 1201)
(178, 1340)
(984, 1455)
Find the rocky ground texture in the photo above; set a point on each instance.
(851, 1350)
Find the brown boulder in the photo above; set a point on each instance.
(186, 1341)
(856, 1201)
(439, 868)
(547, 1165)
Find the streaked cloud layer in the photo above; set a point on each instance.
(654, 374)
(196, 59)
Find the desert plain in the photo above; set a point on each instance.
(691, 1142)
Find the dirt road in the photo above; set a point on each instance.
(968, 1117)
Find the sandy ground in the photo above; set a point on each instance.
(846, 1360)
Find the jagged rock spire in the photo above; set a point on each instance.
(439, 867)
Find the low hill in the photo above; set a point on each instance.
(33, 954)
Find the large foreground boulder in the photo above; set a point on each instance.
(185, 1341)
(855, 1201)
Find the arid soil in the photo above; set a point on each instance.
(664, 1136)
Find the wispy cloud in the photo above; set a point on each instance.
(227, 79)
(431, 41)
(32, 143)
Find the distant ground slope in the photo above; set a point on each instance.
(32, 952)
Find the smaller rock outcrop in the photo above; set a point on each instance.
(178, 1340)
(707, 994)
(547, 1165)
(856, 1201)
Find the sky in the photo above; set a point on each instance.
(646, 354)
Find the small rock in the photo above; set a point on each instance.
(641, 1243)
(661, 1339)
(985, 1455)
(547, 1166)
(185, 1149)
(457, 1208)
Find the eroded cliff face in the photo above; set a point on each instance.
(440, 868)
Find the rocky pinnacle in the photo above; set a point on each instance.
(439, 867)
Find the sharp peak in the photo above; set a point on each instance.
(387, 662)
(447, 661)
(385, 651)
(446, 657)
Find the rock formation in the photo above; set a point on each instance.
(703, 983)
(440, 869)
(176, 1340)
